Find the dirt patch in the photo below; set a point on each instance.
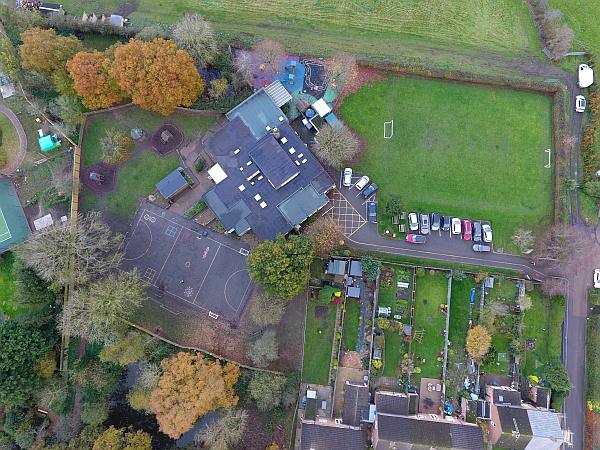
(167, 138)
(99, 177)
(351, 359)
(321, 312)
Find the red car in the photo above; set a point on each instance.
(467, 227)
(416, 238)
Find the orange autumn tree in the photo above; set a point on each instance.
(156, 75)
(189, 388)
(89, 71)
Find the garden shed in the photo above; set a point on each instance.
(172, 184)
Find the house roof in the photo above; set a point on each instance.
(356, 403)
(328, 437)
(172, 184)
(355, 268)
(522, 426)
(395, 430)
(336, 266)
(258, 112)
(392, 402)
(266, 202)
(278, 93)
(506, 396)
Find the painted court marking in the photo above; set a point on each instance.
(5, 234)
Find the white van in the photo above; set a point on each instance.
(586, 76)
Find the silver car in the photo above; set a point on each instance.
(481, 248)
(424, 223)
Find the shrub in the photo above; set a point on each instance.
(199, 166)
(116, 146)
(195, 210)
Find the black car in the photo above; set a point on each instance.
(445, 223)
(372, 212)
(435, 221)
(477, 231)
(369, 190)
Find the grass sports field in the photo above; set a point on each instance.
(9, 143)
(458, 149)
(384, 28)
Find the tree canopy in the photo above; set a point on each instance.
(335, 145)
(116, 145)
(327, 235)
(282, 266)
(189, 388)
(266, 309)
(270, 53)
(370, 267)
(122, 439)
(478, 342)
(557, 377)
(194, 34)
(21, 347)
(264, 349)
(342, 67)
(267, 390)
(224, 433)
(156, 75)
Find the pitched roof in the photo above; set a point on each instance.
(395, 430)
(278, 93)
(274, 162)
(506, 396)
(336, 266)
(302, 204)
(328, 437)
(258, 112)
(392, 402)
(356, 403)
(172, 184)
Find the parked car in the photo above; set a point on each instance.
(597, 278)
(369, 191)
(347, 177)
(413, 222)
(362, 182)
(372, 212)
(424, 223)
(467, 230)
(456, 227)
(481, 248)
(416, 238)
(203, 233)
(445, 223)
(580, 104)
(476, 231)
(435, 221)
(487, 232)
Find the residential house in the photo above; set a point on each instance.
(327, 434)
(356, 403)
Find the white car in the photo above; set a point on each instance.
(413, 222)
(362, 182)
(347, 177)
(456, 226)
(597, 278)
(486, 230)
(580, 104)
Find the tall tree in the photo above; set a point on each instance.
(93, 244)
(327, 235)
(267, 390)
(264, 349)
(557, 377)
(156, 75)
(478, 342)
(92, 82)
(67, 108)
(560, 242)
(266, 309)
(224, 433)
(194, 34)
(189, 388)
(281, 266)
(394, 206)
(342, 67)
(46, 52)
(122, 439)
(270, 53)
(97, 312)
(157, 30)
(370, 267)
(116, 146)
(21, 347)
(126, 350)
(335, 145)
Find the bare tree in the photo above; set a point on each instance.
(62, 178)
(96, 251)
(265, 349)
(224, 433)
(523, 238)
(96, 312)
(553, 286)
(342, 67)
(266, 309)
(151, 32)
(195, 35)
(335, 145)
(270, 53)
(244, 67)
(116, 146)
(327, 235)
(560, 242)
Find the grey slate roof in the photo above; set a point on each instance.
(257, 112)
(171, 184)
(392, 403)
(507, 396)
(520, 426)
(336, 266)
(356, 403)
(356, 268)
(233, 146)
(273, 162)
(439, 434)
(321, 437)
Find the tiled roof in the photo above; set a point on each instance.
(356, 403)
(392, 403)
(326, 437)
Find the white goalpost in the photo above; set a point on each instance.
(388, 129)
(547, 166)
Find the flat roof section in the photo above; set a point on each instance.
(274, 163)
(301, 205)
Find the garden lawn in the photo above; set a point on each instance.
(9, 142)
(136, 179)
(351, 324)
(383, 28)
(318, 339)
(543, 322)
(459, 311)
(458, 149)
(431, 292)
(501, 342)
(7, 284)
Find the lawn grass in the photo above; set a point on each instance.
(96, 129)
(589, 208)
(93, 41)
(9, 141)
(501, 342)
(543, 322)
(351, 324)
(88, 201)
(7, 284)
(431, 292)
(136, 179)
(458, 149)
(459, 311)
(384, 28)
(318, 340)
